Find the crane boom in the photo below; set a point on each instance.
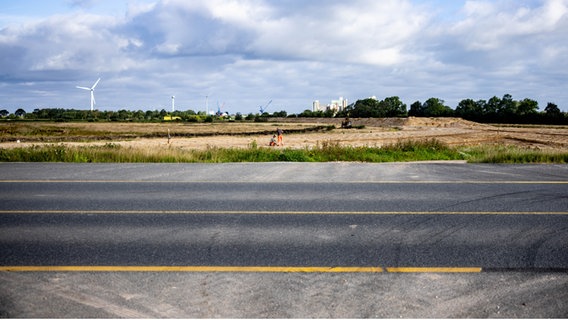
(265, 107)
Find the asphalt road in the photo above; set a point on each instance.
(283, 217)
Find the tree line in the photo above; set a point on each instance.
(62, 115)
(494, 110)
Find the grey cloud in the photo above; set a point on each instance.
(175, 30)
(245, 52)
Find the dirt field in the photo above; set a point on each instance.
(298, 133)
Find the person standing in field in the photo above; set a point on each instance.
(279, 132)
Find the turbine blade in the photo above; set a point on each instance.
(93, 87)
(93, 97)
(84, 88)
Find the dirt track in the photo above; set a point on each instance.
(299, 133)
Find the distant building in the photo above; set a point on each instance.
(316, 106)
(335, 105)
(338, 105)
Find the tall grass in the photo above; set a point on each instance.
(512, 154)
(325, 151)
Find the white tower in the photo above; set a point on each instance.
(206, 105)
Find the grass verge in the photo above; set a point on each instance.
(512, 154)
(402, 151)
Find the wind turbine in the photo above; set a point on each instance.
(173, 103)
(92, 89)
(207, 103)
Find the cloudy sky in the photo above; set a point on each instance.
(243, 53)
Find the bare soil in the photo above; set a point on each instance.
(298, 133)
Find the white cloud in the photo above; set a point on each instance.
(241, 13)
(246, 51)
(68, 43)
(367, 32)
(490, 25)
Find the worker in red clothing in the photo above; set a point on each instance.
(279, 132)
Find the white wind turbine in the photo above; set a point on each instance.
(92, 89)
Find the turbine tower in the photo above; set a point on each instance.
(92, 89)
(173, 103)
(206, 105)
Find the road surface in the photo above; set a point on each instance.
(260, 222)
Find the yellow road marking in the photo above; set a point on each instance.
(191, 269)
(246, 212)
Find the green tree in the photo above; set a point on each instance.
(282, 114)
(435, 107)
(416, 109)
(393, 107)
(311, 114)
(328, 113)
(491, 107)
(366, 108)
(20, 113)
(138, 115)
(507, 106)
(41, 113)
(552, 114)
(527, 107)
(151, 115)
(124, 115)
(552, 110)
(481, 106)
(468, 109)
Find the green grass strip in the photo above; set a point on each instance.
(328, 151)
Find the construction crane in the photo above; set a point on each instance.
(265, 107)
(219, 112)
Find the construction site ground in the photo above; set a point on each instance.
(298, 133)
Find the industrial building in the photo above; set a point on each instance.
(335, 105)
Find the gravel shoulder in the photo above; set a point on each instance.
(268, 295)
